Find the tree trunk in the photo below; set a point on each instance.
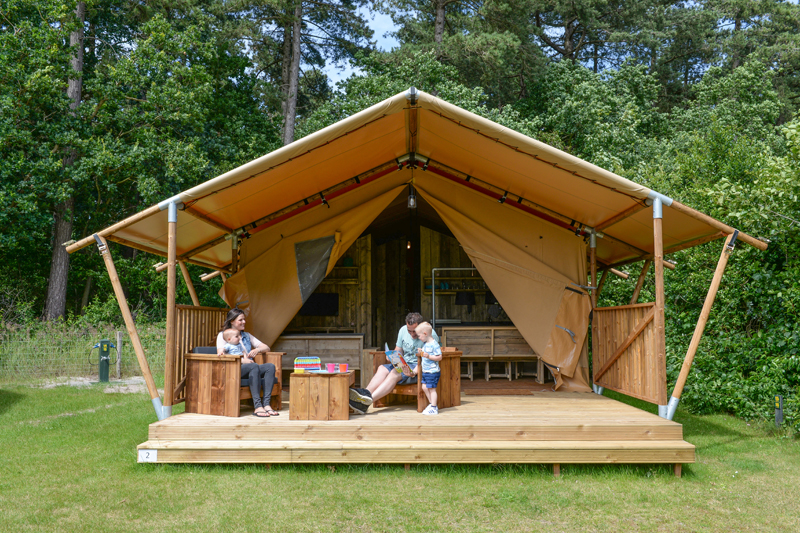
(737, 28)
(286, 63)
(438, 26)
(294, 77)
(87, 291)
(56, 303)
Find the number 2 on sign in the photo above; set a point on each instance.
(148, 456)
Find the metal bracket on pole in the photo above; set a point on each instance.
(101, 246)
(598, 389)
(672, 406)
(662, 411)
(658, 210)
(161, 411)
(731, 245)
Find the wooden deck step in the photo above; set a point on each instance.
(302, 451)
(499, 430)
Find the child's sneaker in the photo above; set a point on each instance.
(431, 410)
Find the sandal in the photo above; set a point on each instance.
(272, 412)
(261, 414)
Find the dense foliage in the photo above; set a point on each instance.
(698, 100)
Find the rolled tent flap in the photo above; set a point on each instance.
(567, 341)
(528, 269)
(285, 274)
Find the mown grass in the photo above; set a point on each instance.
(69, 464)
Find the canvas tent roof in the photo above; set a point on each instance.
(551, 181)
(303, 205)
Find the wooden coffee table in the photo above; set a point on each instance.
(320, 396)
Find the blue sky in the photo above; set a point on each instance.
(380, 24)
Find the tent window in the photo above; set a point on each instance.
(312, 259)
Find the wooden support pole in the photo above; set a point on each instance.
(714, 223)
(127, 317)
(659, 334)
(211, 275)
(621, 216)
(160, 253)
(189, 285)
(701, 322)
(556, 470)
(618, 273)
(677, 469)
(83, 243)
(640, 281)
(593, 283)
(602, 282)
(169, 359)
(234, 253)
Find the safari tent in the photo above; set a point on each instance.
(541, 229)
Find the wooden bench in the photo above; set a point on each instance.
(448, 389)
(214, 385)
(493, 344)
(330, 348)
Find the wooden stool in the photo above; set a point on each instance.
(320, 396)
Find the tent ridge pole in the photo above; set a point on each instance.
(700, 327)
(102, 246)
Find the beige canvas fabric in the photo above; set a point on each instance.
(444, 133)
(528, 270)
(268, 286)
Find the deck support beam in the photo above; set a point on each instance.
(556, 470)
(130, 325)
(730, 243)
(658, 320)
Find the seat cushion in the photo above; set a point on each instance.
(206, 350)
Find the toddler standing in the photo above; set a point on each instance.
(431, 354)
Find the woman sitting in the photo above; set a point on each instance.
(256, 375)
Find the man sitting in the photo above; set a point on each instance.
(386, 377)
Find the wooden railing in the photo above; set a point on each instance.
(195, 326)
(625, 358)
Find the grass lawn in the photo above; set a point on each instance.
(69, 464)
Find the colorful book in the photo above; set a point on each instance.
(398, 362)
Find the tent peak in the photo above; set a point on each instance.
(411, 95)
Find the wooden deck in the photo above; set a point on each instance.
(543, 427)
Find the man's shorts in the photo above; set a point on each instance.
(431, 379)
(406, 380)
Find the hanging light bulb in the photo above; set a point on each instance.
(412, 198)
(408, 246)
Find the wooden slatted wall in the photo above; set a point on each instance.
(637, 372)
(196, 326)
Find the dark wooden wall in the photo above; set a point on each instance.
(437, 251)
(390, 273)
(354, 286)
